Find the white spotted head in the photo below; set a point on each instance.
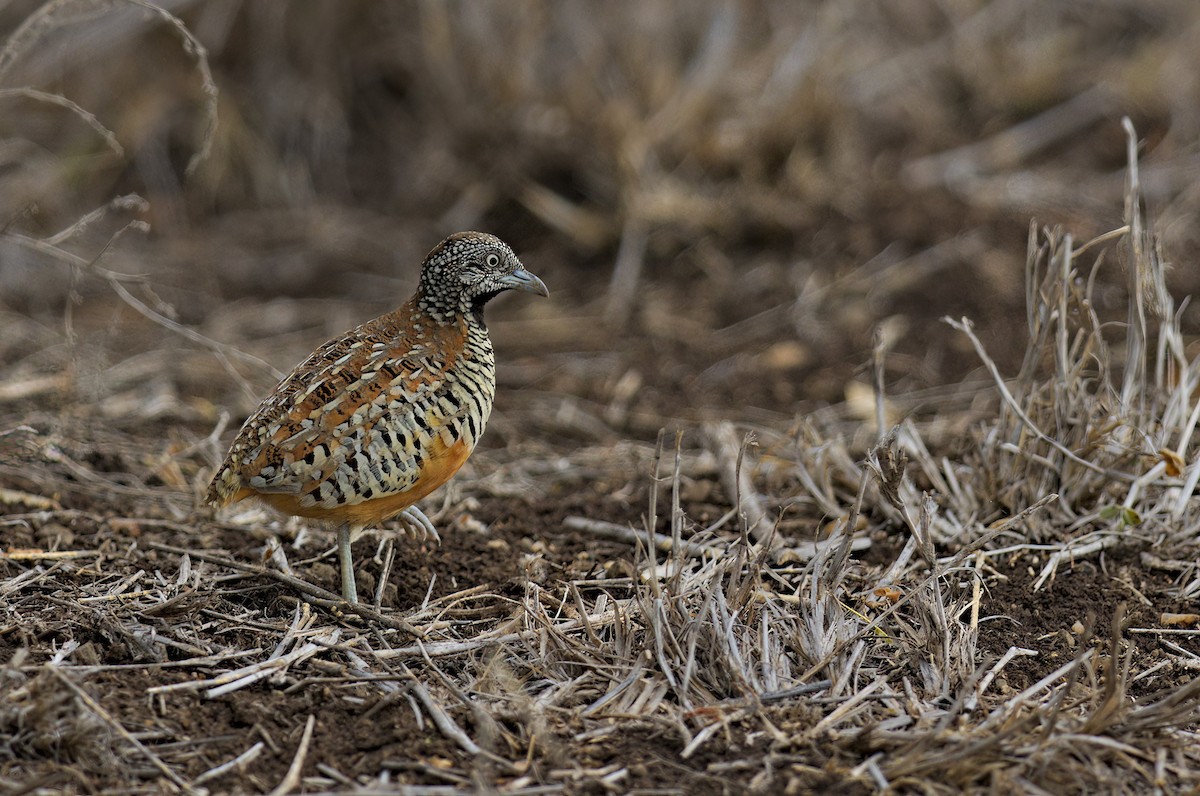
(467, 270)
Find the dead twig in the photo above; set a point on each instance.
(325, 597)
(621, 533)
(99, 710)
(292, 780)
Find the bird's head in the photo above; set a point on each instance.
(467, 270)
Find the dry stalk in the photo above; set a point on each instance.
(292, 779)
(736, 479)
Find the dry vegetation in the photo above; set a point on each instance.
(922, 519)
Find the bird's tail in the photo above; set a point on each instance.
(226, 488)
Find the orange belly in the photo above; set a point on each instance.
(436, 470)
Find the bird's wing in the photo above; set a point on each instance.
(349, 423)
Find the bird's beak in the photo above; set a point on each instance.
(521, 279)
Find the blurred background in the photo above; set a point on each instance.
(727, 198)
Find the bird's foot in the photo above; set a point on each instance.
(418, 526)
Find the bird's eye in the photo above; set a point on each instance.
(492, 261)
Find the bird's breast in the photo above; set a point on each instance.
(449, 412)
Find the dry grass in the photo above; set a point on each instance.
(757, 605)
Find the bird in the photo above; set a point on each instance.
(378, 418)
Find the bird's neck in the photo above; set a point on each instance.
(440, 309)
(445, 314)
(450, 312)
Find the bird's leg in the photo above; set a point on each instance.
(416, 521)
(349, 590)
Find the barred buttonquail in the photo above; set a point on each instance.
(378, 418)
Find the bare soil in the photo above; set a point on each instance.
(357, 734)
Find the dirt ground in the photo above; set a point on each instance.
(723, 271)
(356, 732)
